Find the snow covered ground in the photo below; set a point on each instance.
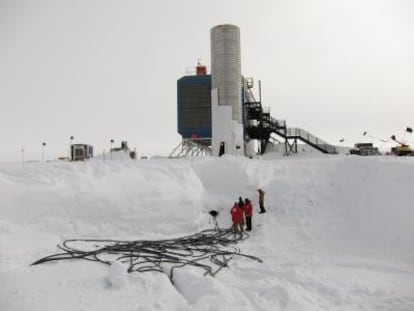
(338, 235)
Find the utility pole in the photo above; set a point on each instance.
(22, 151)
(110, 150)
(43, 151)
(70, 148)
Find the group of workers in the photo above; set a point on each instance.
(242, 212)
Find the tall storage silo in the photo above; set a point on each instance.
(226, 83)
(226, 67)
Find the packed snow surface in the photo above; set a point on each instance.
(338, 233)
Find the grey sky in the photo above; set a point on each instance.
(101, 70)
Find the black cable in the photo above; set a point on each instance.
(209, 250)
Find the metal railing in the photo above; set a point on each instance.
(311, 140)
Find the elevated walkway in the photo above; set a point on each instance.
(260, 125)
(311, 140)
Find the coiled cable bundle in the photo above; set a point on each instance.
(209, 250)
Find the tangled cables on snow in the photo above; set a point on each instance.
(209, 250)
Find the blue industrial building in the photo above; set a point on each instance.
(194, 108)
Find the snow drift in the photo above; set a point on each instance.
(338, 234)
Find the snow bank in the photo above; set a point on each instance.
(339, 232)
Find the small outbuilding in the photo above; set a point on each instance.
(81, 152)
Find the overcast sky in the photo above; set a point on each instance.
(100, 70)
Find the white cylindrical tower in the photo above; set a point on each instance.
(226, 80)
(226, 67)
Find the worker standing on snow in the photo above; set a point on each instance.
(237, 217)
(261, 201)
(248, 213)
(241, 206)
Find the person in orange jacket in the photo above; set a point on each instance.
(261, 201)
(248, 213)
(237, 217)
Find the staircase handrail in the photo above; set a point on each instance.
(310, 139)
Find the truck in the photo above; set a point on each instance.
(402, 149)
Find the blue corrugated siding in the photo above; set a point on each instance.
(186, 132)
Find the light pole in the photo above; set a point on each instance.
(22, 150)
(70, 148)
(110, 150)
(43, 151)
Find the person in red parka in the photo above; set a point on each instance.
(241, 206)
(248, 213)
(237, 217)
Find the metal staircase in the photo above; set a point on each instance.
(311, 140)
(260, 125)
